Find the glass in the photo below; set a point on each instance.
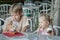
(14, 25)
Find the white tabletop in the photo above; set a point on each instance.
(30, 37)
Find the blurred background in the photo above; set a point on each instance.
(32, 9)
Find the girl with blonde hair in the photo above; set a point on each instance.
(44, 22)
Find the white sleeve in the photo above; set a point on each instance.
(5, 23)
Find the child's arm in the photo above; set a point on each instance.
(7, 26)
(37, 31)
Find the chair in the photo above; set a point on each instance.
(58, 28)
(4, 9)
(1, 24)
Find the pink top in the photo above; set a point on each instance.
(41, 31)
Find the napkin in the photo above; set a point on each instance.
(12, 35)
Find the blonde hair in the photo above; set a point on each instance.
(47, 17)
(15, 8)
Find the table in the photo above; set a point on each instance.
(25, 37)
(30, 37)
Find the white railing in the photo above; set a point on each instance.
(4, 9)
(45, 8)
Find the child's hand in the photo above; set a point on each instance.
(51, 32)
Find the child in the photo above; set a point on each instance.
(44, 22)
(17, 19)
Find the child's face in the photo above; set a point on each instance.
(43, 22)
(16, 16)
